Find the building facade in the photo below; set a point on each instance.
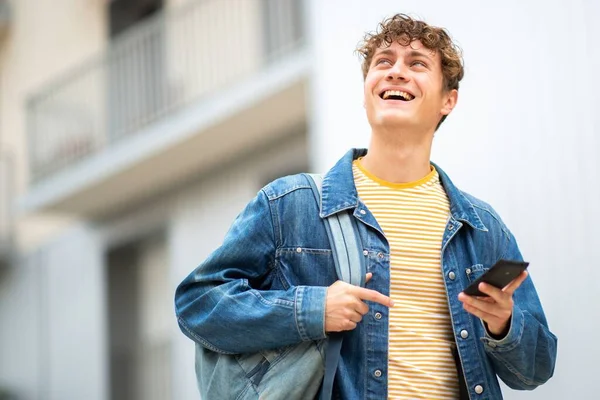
(133, 131)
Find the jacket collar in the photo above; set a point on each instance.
(339, 192)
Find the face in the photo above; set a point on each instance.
(404, 88)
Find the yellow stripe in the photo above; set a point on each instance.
(381, 182)
(413, 217)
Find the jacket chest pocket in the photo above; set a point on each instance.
(306, 266)
(475, 271)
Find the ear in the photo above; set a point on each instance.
(450, 99)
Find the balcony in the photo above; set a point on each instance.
(6, 204)
(170, 98)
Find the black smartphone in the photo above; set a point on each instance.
(499, 275)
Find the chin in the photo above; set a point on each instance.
(393, 121)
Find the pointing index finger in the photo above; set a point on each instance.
(373, 295)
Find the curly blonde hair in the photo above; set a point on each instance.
(403, 29)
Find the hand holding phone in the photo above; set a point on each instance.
(499, 275)
(496, 306)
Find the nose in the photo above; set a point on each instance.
(397, 72)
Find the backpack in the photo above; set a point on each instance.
(296, 371)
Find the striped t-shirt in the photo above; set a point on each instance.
(413, 217)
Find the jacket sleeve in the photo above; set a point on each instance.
(218, 306)
(525, 357)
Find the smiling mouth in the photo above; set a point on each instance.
(396, 95)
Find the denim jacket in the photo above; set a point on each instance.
(265, 287)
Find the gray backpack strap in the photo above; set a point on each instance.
(350, 267)
(344, 239)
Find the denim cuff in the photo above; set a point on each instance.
(310, 312)
(512, 339)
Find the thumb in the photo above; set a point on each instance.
(369, 276)
(514, 285)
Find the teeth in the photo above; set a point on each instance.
(388, 93)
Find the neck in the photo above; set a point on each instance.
(399, 158)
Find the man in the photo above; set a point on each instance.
(411, 332)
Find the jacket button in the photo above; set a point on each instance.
(478, 389)
(365, 252)
(299, 250)
(380, 255)
(468, 271)
(450, 227)
(377, 315)
(464, 334)
(363, 212)
(451, 275)
(377, 374)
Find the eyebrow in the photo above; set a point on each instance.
(417, 53)
(387, 52)
(412, 53)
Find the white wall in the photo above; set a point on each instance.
(76, 324)
(523, 137)
(155, 320)
(22, 353)
(52, 342)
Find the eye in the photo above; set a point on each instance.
(383, 60)
(419, 63)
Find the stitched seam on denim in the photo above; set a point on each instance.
(276, 228)
(502, 348)
(304, 250)
(298, 301)
(495, 352)
(267, 302)
(493, 215)
(200, 339)
(248, 386)
(505, 250)
(515, 372)
(283, 302)
(287, 191)
(324, 309)
(506, 247)
(284, 282)
(253, 371)
(499, 348)
(338, 208)
(281, 356)
(465, 196)
(474, 271)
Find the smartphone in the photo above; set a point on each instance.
(499, 275)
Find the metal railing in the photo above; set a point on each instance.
(153, 69)
(6, 199)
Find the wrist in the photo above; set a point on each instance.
(498, 333)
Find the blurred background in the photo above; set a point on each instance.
(133, 131)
